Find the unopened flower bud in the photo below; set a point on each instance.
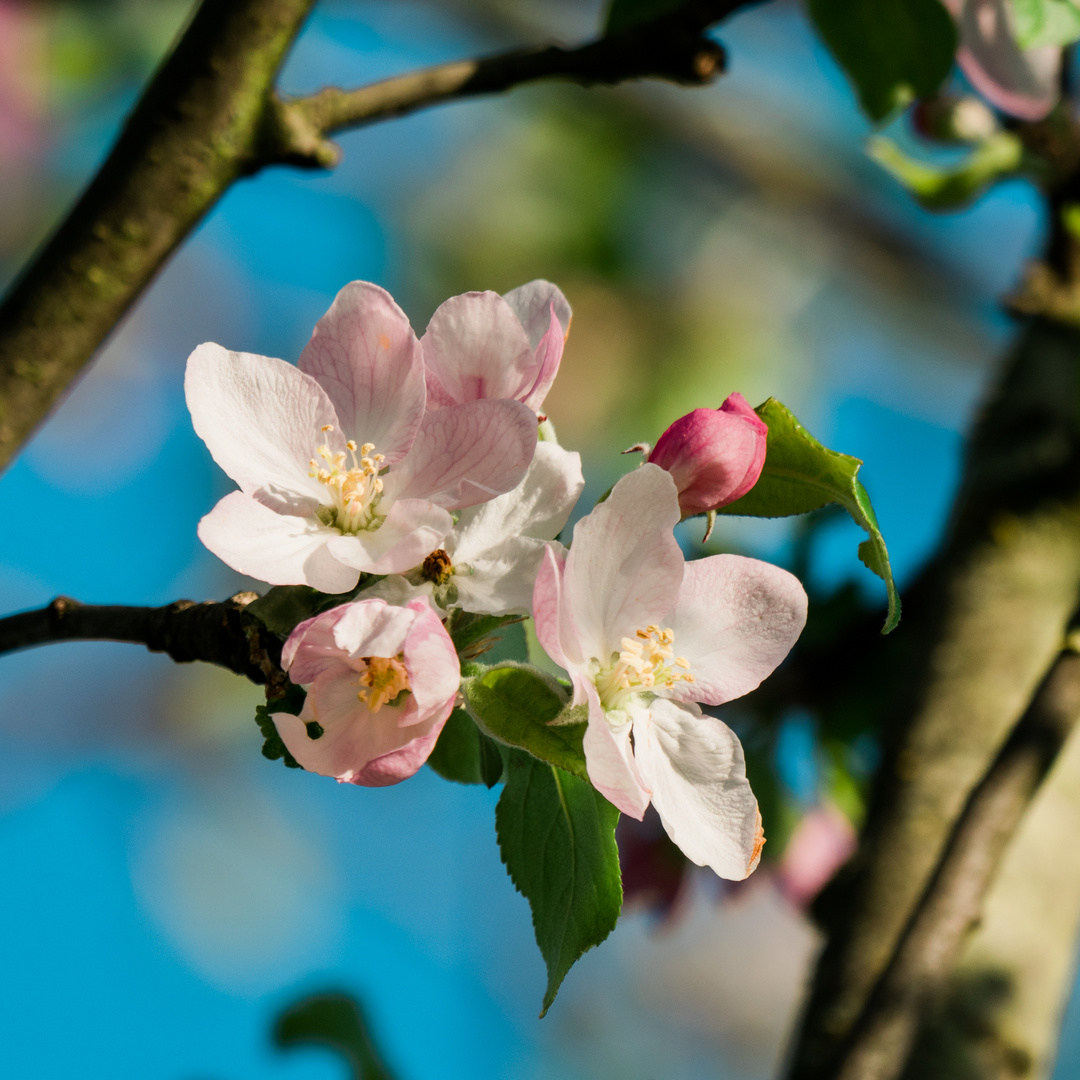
(714, 455)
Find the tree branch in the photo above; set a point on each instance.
(882, 1038)
(210, 116)
(215, 633)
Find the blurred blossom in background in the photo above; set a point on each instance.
(168, 891)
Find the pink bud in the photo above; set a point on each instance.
(714, 455)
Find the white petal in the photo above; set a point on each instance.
(281, 549)
(609, 758)
(538, 507)
(532, 303)
(475, 348)
(695, 768)
(261, 419)
(365, 355)
(411, 531)
(624, 567)
(395, 589)
(735, 620)
(500, 581)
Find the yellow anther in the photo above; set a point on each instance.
(383, 678)
(351, 444)
(327, 427)
(366, 448)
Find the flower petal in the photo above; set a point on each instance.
(538, 507)
(411, 530)
(532, 304)
(624, 567)
(281, 549)
(735, 620)
(1021, 83)
(261, 419)
(466, 454)
(695, 768)
(399, 765)
(430, 653)
(548, 358)
(367, 358)
(548, 605)
(501, 580)
(609, 759)
(475, 348)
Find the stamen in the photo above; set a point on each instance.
(645, 662)
(382, 680)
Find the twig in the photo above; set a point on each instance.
(882, 1038)
(215, 633)
(210, 116)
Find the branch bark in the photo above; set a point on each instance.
(211, 116)
(882, 1038)
(215, 633)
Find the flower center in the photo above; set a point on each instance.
(382, 680)
(647, 662)
(437, 567)
(353, 484)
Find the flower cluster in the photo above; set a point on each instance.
(409, 478)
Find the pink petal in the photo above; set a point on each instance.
(281, 549)
(533, 303)
(467, 454)
(312, 648)
(411, 530)
(735, 621)
(261, 419)
(367, 358)
(624, 567)
(714, 455)
(548, 604)
(369, 628)
(548, 357)
(1023, 84)
(475, 348)
(399, 765)
(609, 758)
(430, 654)
(695, 767)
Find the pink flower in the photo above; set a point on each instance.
(714, 455)
(382, 683)
(341, 470)
(482, 345)
(1020, 82)
(644, 637)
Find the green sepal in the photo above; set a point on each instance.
(516, 704)
(464, 754)
(557, 839)
(292, 701)
(800, 475)
(892, 50)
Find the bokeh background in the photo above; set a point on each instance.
(167, 892)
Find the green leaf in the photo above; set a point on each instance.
(626, 13)
(999, 156)
(337, 1021)
(801, 475)
(273, 746)
(465, 754)
(473, 635)
(1045, 22)
(516, 705)
(892, 50)
(557, 839)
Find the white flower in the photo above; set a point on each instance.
(645, 637)
(488, 562)
(341, 470)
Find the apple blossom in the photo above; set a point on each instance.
(341, 470)
(714, 455)
(382, 681)
(488, 562)
(645, 637)
(482, 345)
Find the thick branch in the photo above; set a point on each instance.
(215, 633)
(211, 116)
(192, 134)
(882, 1038)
